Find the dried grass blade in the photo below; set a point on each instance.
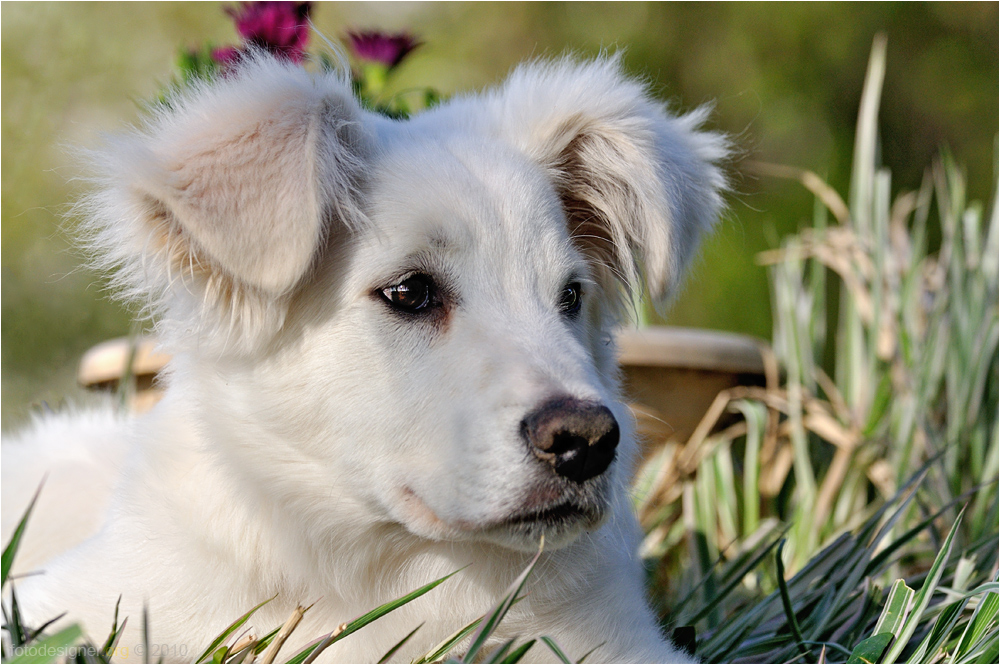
(828, 195)
(286, 631)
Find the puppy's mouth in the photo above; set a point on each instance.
(561, 514)
(561, 522)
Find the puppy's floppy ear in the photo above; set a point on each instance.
(220, 204)
(639, 185)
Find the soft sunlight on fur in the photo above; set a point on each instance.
(391, 359)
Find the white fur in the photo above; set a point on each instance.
(314, 444)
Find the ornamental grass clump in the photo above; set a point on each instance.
(870, 459)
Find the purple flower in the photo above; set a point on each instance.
(281, 28)
(226, 55)
(380, 47)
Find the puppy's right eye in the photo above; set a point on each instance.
(571, 299)
(413, 295)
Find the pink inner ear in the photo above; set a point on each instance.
(603, 211)
(588, 225)
(247, 199)
(639, 184)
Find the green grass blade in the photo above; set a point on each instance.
(845, 557)
(307, 651)
(517, 654)
(984, 617)
(897, 606)
(145, 630)
(986, 651)
(880, 406)
(755, 415)
(786, 602)
(112, 643)
(989, 587)
(233, 627)
(924, 596)
(10, 549)
(879, 560)
(866, 137)
(263, 643)
(382, 610)
(847, 553)
(587, 655)
(870, 650)
(939, 633)
(373, 615)
(500, 653)
(14, 625)
(51, 648)
(735, 582)
(493, 618)
(859, 562)
(36, 632)
(442, 649)
(696, 589)
(115, 633)
(399, 645)
(551, 644)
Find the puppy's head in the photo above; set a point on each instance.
(413, 316)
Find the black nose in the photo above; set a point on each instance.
(577, 438)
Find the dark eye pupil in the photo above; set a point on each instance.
(411, 295)
(571, 299)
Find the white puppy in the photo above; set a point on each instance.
(391, 359)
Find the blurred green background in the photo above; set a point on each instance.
(785, 79)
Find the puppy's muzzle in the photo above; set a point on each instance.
(577, 438)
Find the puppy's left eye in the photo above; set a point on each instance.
(413, 295)
(571, 299)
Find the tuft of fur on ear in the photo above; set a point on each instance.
(639, 185)
(215, 209)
